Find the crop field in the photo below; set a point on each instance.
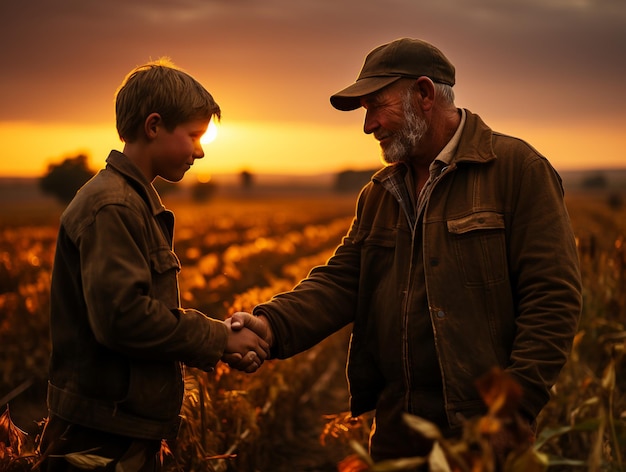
(291, 415)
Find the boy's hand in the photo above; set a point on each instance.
(245, 349)
(258, 324)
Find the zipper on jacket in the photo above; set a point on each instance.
(444, 171)
(398, 189)
(405, 326)
(414, 218)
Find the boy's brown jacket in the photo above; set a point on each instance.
(119, 335)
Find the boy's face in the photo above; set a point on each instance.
(176, 151)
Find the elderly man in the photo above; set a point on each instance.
(460, 258)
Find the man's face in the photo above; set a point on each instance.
(392, 116)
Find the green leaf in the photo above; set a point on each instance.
(425, 428)
(608, 378)
(549, 433)
(361, 452)
(557, 460)
(399, 464)
(86, 461)
(437, 461)
(528, 461)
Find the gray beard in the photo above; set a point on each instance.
(407, 138)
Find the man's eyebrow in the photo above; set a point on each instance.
(373, 99)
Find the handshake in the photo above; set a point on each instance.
(249, 342)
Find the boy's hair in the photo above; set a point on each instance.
(160, 87)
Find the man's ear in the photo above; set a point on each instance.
(152, 124)
(425, 88)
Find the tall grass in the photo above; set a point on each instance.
(236, 253)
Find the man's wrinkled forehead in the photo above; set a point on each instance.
(387, 94)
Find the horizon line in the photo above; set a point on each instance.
(324, 173)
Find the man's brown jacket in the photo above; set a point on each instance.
(500, 267)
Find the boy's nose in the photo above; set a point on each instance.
(198, 152)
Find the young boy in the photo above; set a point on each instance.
(119, 335)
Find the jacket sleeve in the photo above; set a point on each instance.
(319, 305)
(546, 283)
(124, 312)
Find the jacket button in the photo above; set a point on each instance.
(441, 314)
(434, 262)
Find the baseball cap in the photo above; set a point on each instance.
(404, 57)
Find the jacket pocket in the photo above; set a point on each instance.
(385, 237)
(463, 411)
(480, 247)
(155, 390)
(163, 259)
(378, 259)
(165, 266)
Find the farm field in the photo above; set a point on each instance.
(291, 415)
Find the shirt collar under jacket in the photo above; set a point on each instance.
(447, 153)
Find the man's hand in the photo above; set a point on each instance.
(247, 345)
(258, 324)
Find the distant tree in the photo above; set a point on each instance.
(595, 181)
(246, 179)
(203, 191)
(616, 201)
(63, 180)
(352, 180)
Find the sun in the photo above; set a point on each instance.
(211, 133)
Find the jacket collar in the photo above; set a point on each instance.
(122, 164)
(476, 145)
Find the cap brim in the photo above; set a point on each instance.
(350, 97)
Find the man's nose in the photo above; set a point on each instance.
(370, 124)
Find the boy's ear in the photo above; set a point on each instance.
(152, 124)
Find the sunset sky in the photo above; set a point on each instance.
(551, 72)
